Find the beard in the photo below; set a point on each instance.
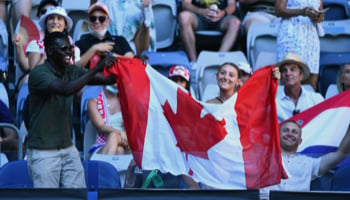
(98, 34)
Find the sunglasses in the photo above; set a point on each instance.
(69, 48)
(296, 112)
(93, 18)
(43, 11)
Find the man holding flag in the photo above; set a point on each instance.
(303, 169)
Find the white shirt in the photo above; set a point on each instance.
(301, 171)
(285, 105)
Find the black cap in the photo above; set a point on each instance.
(44, 3)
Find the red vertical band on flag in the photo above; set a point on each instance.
(258, 125)
(134, 95)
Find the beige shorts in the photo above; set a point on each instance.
(258, 16)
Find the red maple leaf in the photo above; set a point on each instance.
(195, 134)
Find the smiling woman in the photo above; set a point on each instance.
(228, 79)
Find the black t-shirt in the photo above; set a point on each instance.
(120, 47)
(206, 3)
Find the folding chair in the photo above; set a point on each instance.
(329, 67)
(21, 97)
(208, 63)
(261, 38)
(338, 9)
(163, 61)
(165, 21)
(100, 174)
(15, 174)
(341, 179)
(89, 92)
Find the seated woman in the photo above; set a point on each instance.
(228, 79)
(105, 114)
(343, 78)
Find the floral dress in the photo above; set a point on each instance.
(299, 35)
(127, 16)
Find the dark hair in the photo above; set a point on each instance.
(175, 79)
(239, 73)
(49, 40)
(44, 3)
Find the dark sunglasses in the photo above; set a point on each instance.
(296, 112)
(43, 11)
(69, 48)
(93, 18)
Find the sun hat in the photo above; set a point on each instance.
(245, 67)
(292, 58)
(98, 6)
(58, 11)
(179, 70)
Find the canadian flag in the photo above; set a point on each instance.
(324, 125)
(234, 145)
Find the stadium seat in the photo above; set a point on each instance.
(337, 36)
(208, 63)
(100, 174)
(264, 59)
(163, 61)
(332, 90)
(76, 10)
(165, 21)
(329, 67)
(21, 97)
(14, 174)
(261, 37)
(338, 9)
(19, 145)
(210, 91)
(81, 28)
(90, 91)
(90, 135)
(341, 179)
(323, 183)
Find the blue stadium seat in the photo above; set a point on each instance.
(165, 21)
(14, 174)
(21, 97)
(323, 183)
(329, 66)
(162, 61)
(90, 91)
(100, 174)
(339, 9)
(341, 179)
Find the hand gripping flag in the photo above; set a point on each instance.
(324, 125)
(234, 145)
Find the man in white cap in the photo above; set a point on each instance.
(99, 40)
(293, 98)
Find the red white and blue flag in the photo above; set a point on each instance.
(234, 145)
(324, 125)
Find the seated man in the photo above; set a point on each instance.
(99, 40)
(200, 15)
(302, 169)
(293, 98)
